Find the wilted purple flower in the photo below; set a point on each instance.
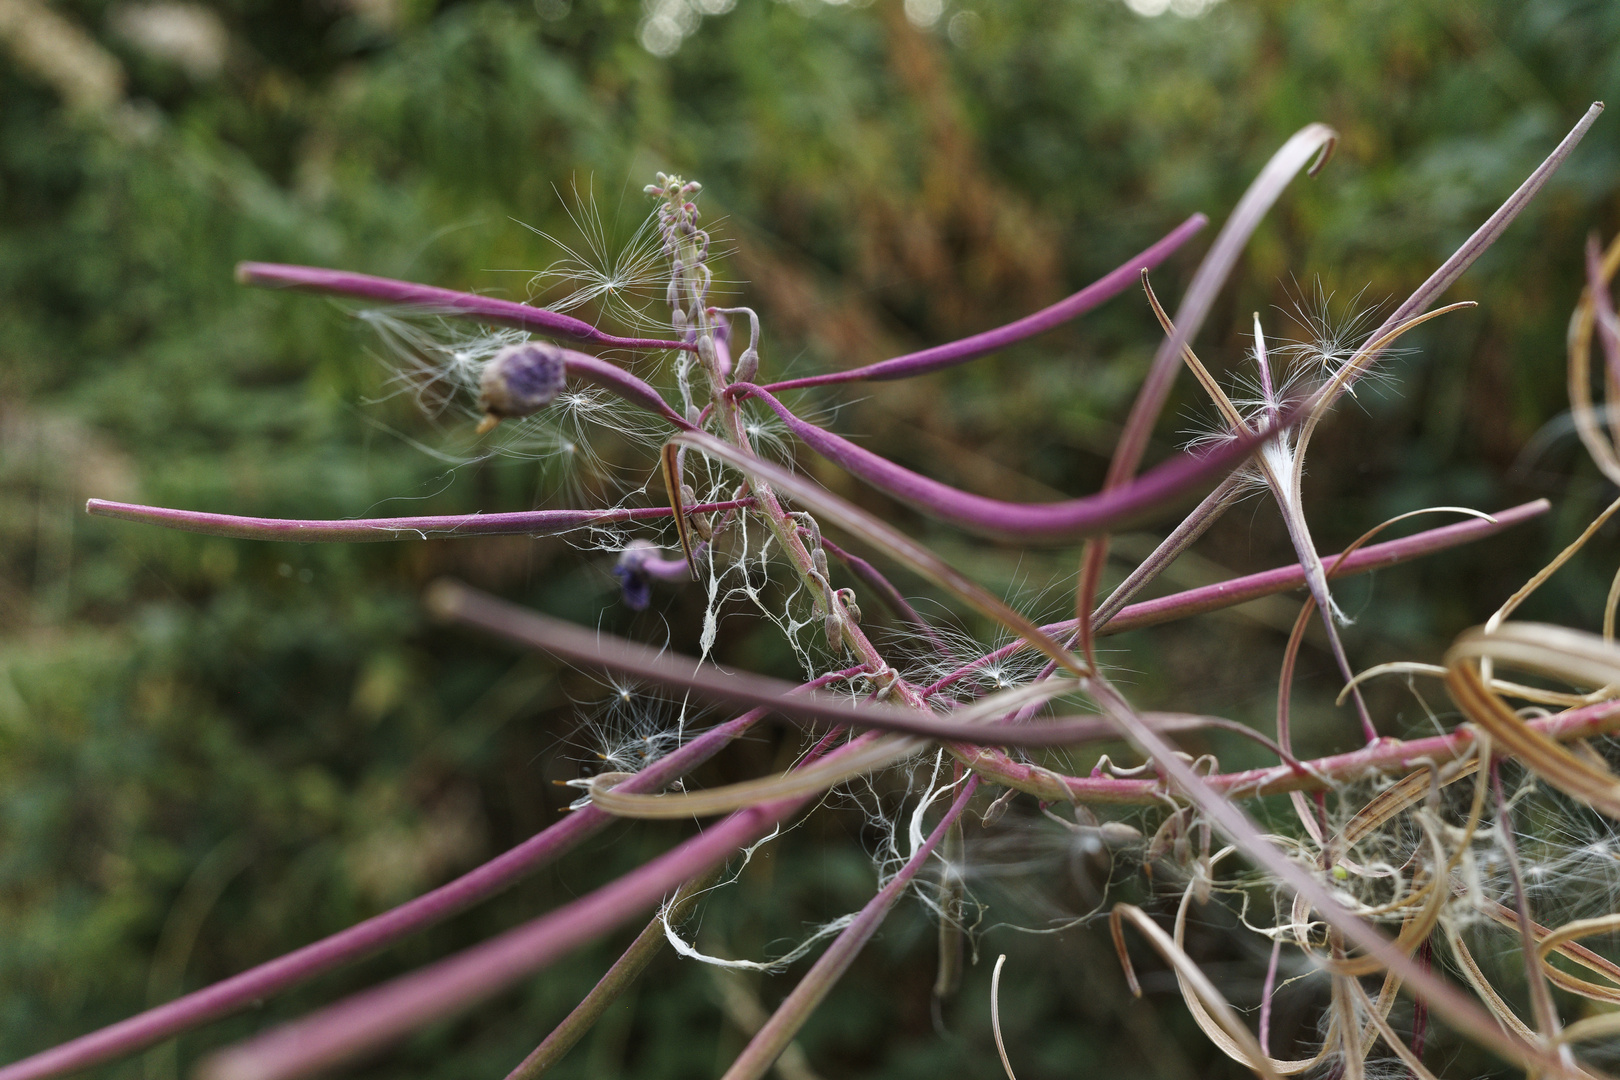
(631, 570)
(639, 563)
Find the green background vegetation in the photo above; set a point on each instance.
(213, 751)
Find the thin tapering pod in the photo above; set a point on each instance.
(1562, 942)
(435, 300)
(995, 1017)
(1239, 590)
(362, 939)
(470, 607)
(940, 357)
(1019, 522)
(1215, 1014)
(1541, 1003)
(669, 467)
(374, 530)
(1549, 650)
(1483, 237)
(619, 382)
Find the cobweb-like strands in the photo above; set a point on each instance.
(364, 938)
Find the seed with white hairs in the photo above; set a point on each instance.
(522, 379)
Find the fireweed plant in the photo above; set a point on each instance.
(1398, 850)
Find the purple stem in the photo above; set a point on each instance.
(612, 985)
(1372, 557)
(618, 381)
(1018, 522)
(892, 598)
(371, 1019)
(361, 530)
(971, 348)
(448, 301)
(1224, 594)
(1265, 997)
(1193, 526)
(769, 1041)
(600, 650)
(1382, 758)
(361, 939)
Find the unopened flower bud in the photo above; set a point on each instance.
(1117, 834)
(705, 350)
(993, 812)
(748, 365)
(522, 379)
(833, 624)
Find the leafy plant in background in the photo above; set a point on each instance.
(1379, 840)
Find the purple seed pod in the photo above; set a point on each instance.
(522, 379)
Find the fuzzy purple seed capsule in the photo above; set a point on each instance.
(522, 379)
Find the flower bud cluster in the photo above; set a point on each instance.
(686, 245)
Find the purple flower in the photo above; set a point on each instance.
(631, 570)
(639, 563)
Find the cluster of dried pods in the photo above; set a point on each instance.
(1413, 858)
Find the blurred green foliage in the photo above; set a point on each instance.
(213, 751)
